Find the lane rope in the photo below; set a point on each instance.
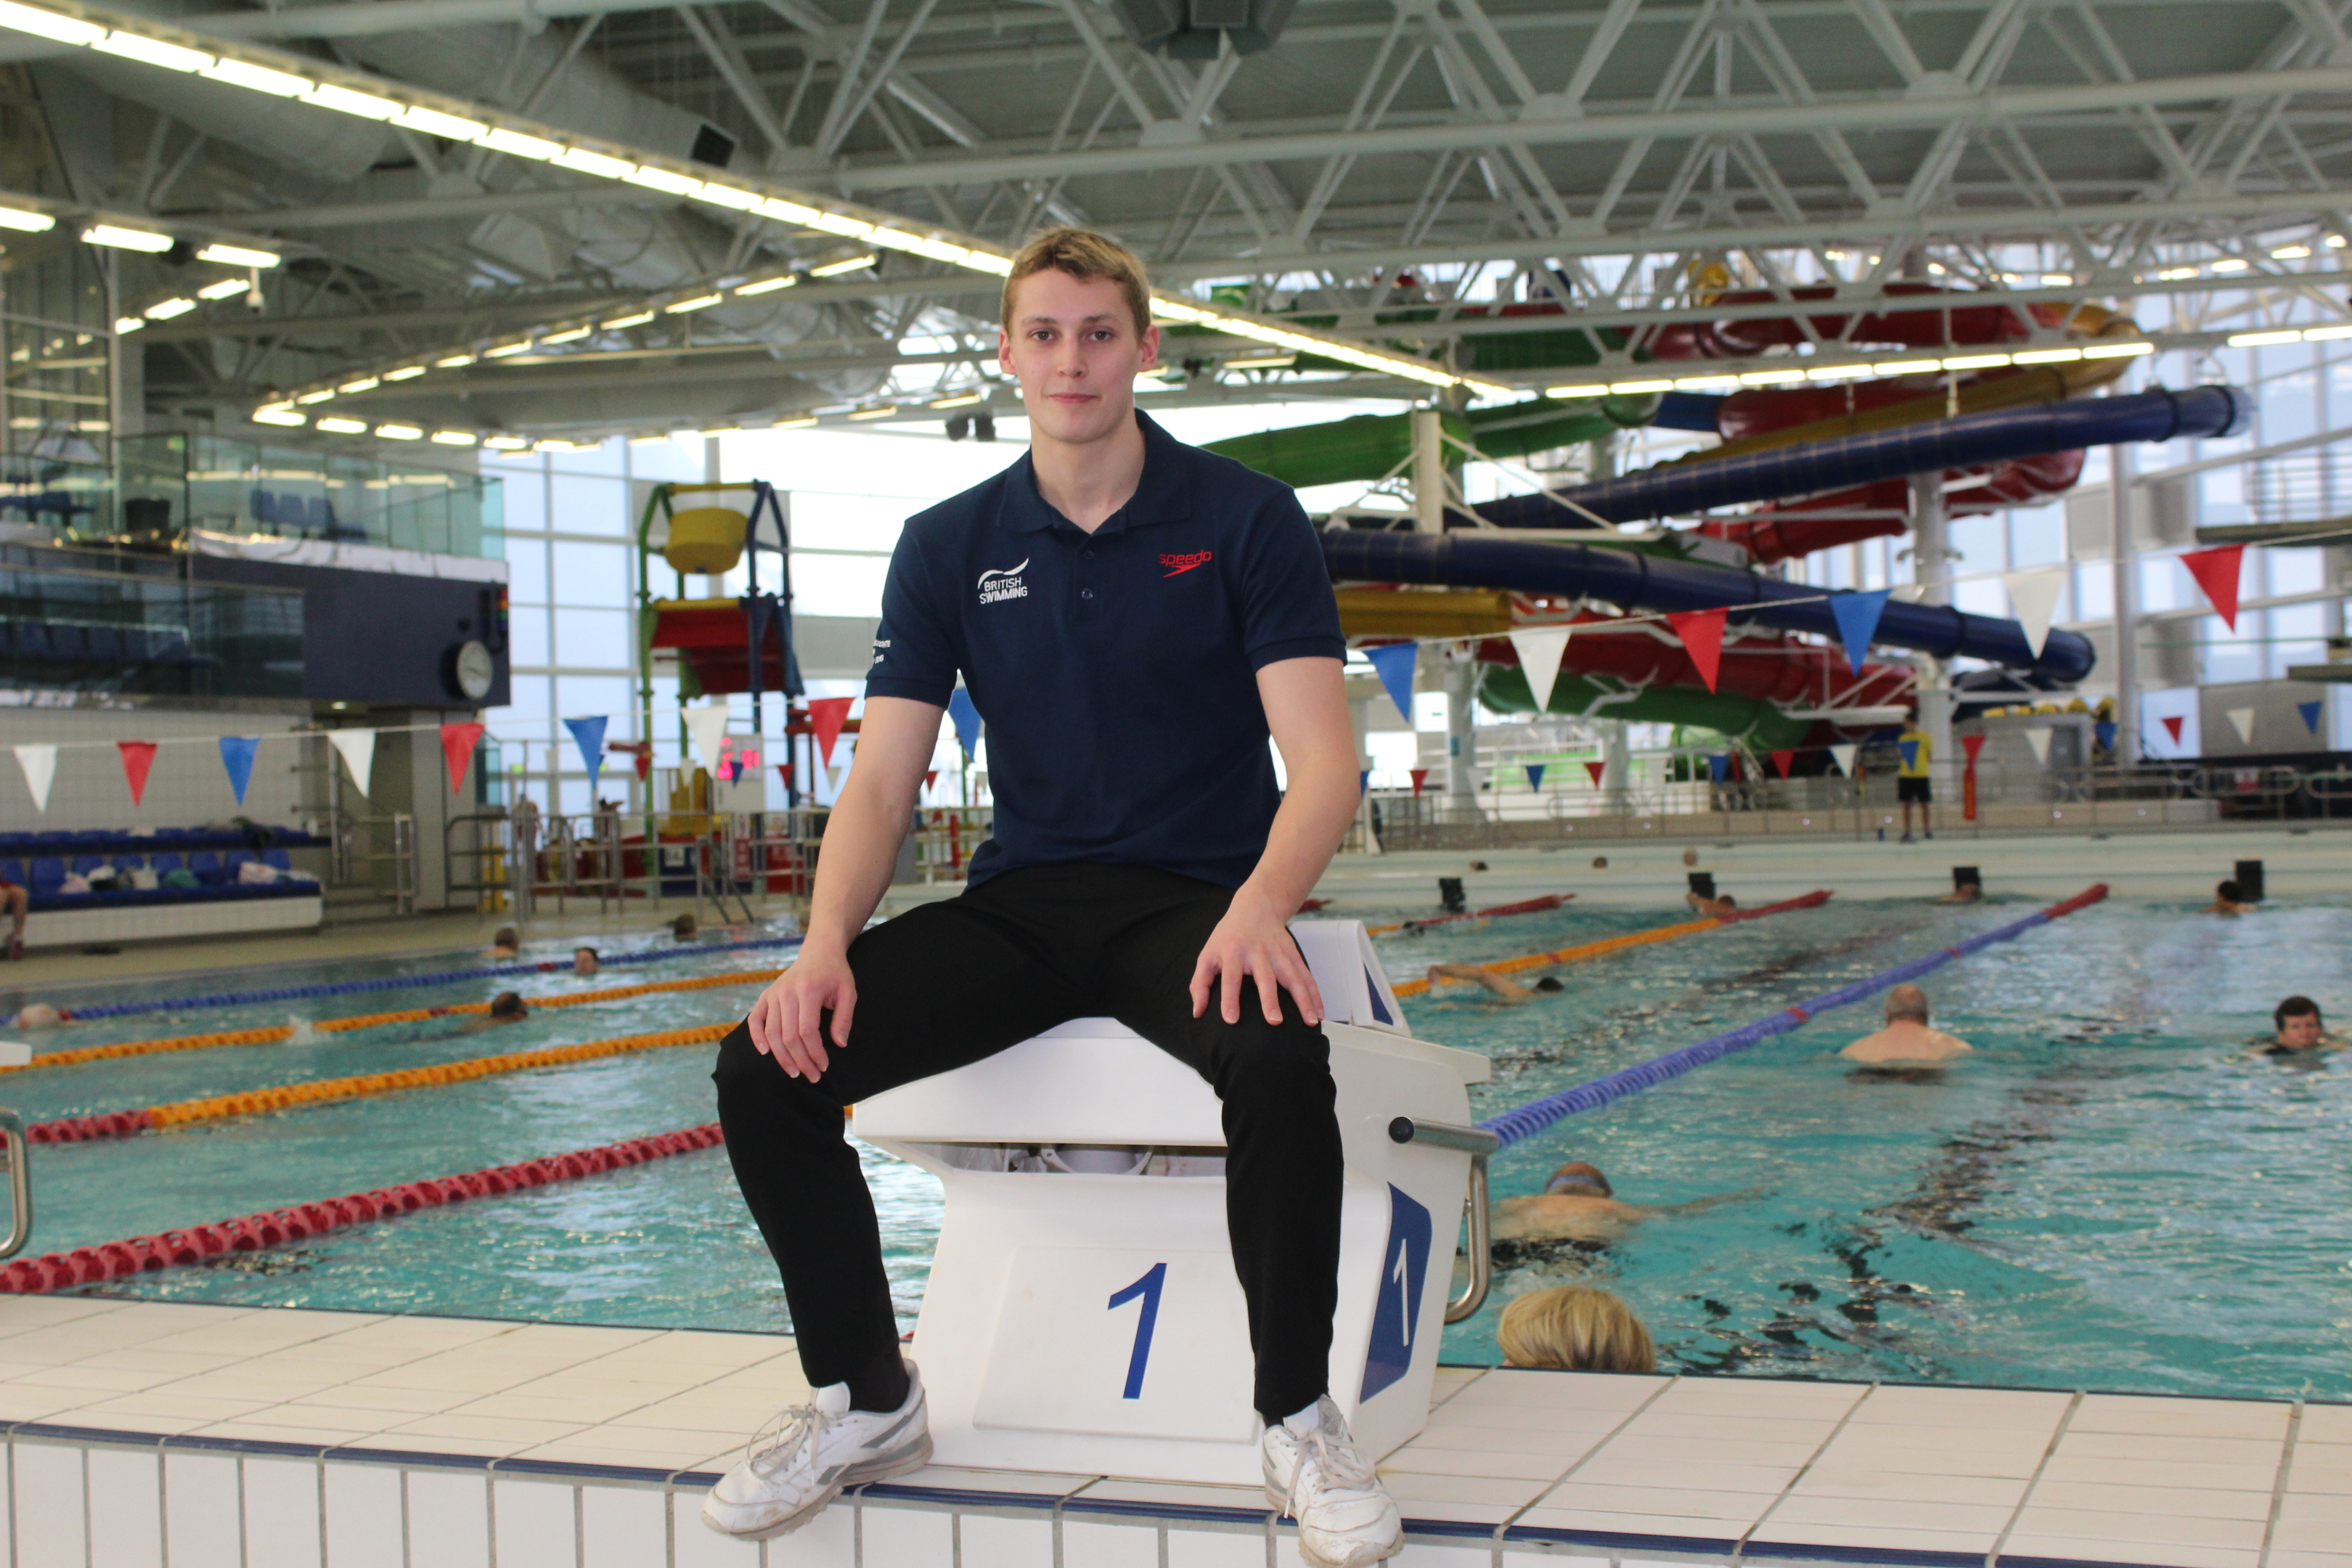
(275, 1033)
(406, 982)
(1606, 945)
(361, 1086)
(250, 1233)
(1524, 907)
(1522, 1122)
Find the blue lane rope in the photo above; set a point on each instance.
(405, 982)
(1522, 1122)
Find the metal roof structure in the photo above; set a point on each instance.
(1388, 172)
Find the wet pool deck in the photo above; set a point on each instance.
(145, 1432)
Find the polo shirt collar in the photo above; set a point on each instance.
(1164, 494)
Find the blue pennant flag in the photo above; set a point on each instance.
(1535, 776)
(1857, 622)
(2310, 711)
(588, 734)
(2105, 734)
(1910, 750)
(1393, 664)
(236, 755)
(1363, 780)
(1719, 768)
(965, 715)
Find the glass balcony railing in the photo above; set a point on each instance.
(172, 483)
(109, 621)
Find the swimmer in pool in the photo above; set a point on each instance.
(2300, 1031)
(1574, 1327)
(2228, 899)
(1906, 1040)
(506, 1007)
(1579, 1204)
(506, 944)
(1719, 907)
(1499, 988)
(585, 961)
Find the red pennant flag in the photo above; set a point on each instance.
(1596, 770)
(2216, 572)
(784, 772)
(1419, 777)
(826, 716)
(138, 756)
(1972, 744)
(458, 743)
(1702, 635)
(930, 777)
(1782, 762)
(2172, 728)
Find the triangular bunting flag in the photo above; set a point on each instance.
(964, 714)
(2104, 732)
(1719, 768)
(1539, 649)
(357, 748)
(1702, 635)
(826, 716)
(2310, 711)
(40, 765)
(458, 743)
(1845, 755)
(1857, 622)
(2216, 572)
(1419, 777)
(2241, 720)
(1910, 750)
(1782, 762)
(2040, 741)
(2034, 596)
(1972, 744)
(2172, 722)
(1535, 776)
(1393, 664)
(930, 778)
(138, 756)
(1596, 770)
(707, 727)
(588, 734)
(1363, 780)
(237, 752)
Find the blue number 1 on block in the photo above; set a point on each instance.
(1149, 1287)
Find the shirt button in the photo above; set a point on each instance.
(1085, 592)
(1086, 555)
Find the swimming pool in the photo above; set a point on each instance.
(2109, 1196)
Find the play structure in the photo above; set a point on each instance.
(1815, 464)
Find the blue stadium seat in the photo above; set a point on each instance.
(236, 858)
(12, 872)
(277, 857)
(48, 874)
(83, 865)
(165, 862)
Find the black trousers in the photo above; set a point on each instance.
(951, 983)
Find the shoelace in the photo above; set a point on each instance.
(1341, 1467)
(780, 1442)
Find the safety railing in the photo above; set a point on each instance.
(377, 856)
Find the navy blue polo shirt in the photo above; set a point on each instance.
(1115, 672)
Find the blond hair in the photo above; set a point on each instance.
(1575, 1327)
(1083, 255)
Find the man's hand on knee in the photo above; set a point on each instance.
(1252, 944)
(788, 1020)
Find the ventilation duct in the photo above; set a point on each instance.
(1199, 29)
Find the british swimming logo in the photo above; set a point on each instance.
(1005, 584)
(880, 644)
(1178, 564)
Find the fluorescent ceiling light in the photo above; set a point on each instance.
(989, 261)
(319, 396)
(453, 437)
(884, 411)
(449, 127)
(2046, 356)
(365, 105)
(2118, 351)
(2265, 340)
(364, 384)
(1766, 377)
(452, 362)
(152, 52)
(24, 220)
(286, 417)
(783, 211)
(2327, 334)
(2175, 274)
(1638, 388)
(699, 302)
(257, 78)
(505, 443)
(571, 336)
(1705, 382)
(1840, 371)
(848, 264)
(126, 238)
(797, 422)
(960, 400)
(1974, 362)
(505, 351)
(2291, 252)
(49, 25)
(841, 224)
(1587, 390)
(662, 180)
(179, 305)
(729, 197)
(516, 144)
(716, 431)
(2058, 280)
(1262, 362)
(1909, 366)
(128, 324)
(597, 163)
(400, 432)
(237, 256)
(406, 372)
(2228, 264)
(224, 288)
(336, 424)
(767, 286)
(634, 318)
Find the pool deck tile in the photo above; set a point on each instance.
(2170, 1554)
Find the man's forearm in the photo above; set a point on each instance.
(1315, 814)
(859, 851)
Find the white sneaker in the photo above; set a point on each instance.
(801, 1460)
(1318, 1477)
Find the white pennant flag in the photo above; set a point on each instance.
(1539, 649)
(357, 748)
(2241, 720)
(1845, 755)
(708, 725)
(40, 765)
(2034, 596)
(2039, 739)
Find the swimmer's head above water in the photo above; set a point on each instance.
(2300, 1027)
(1578, 1180)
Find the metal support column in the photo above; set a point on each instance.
(1931, 569)
(2120, 501)
(1462, 734)
(1428, 471)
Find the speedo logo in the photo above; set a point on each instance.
(1003, 584)
(1178, 564)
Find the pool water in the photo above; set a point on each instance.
(2110, 1194)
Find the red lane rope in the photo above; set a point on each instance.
(1524, 907)
(250, 1233)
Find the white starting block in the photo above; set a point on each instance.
(1082, 1313)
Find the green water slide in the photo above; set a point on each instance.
(1504, 690)
(1370, 447)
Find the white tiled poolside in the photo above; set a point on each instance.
(198, 1436)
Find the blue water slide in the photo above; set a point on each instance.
(1490, 559)
(1674, 490)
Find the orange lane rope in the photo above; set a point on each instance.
(274, 1033)
(328, 1091)
(1620, 943)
